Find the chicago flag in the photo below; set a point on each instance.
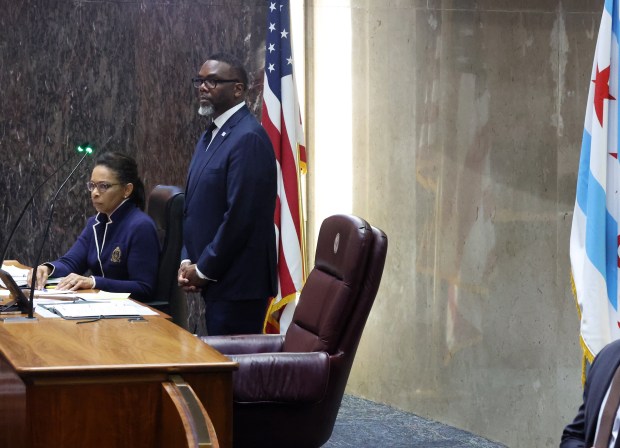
(594, 238)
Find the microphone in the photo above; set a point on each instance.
(21, 215)
(87, 150)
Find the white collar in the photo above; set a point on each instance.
(220, 120)
(110, 215)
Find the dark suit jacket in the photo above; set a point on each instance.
(581, 432)
(129, 258)
(230, 201)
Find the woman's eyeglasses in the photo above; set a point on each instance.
(101, 187)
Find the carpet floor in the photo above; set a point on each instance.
(363, 423)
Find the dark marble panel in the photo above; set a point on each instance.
(112, 73)
(195, 322)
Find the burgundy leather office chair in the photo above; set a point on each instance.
(288, 389)
(165, 207)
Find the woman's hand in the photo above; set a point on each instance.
(73, 282)
(43, 272)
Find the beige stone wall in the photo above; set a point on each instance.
(467, 121)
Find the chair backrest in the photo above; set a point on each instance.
(165, 207)
(329, 297)
(332, 311)
(369, 288)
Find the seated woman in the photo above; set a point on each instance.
(119, 245)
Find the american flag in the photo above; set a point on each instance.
(282, 120)
(595, 236)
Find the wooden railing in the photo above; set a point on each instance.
(184, 420)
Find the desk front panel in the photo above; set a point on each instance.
(99, 384)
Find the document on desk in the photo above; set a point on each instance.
(19, 275)
(104, 296)
(110, 309)
(65, 294)
(41, 304)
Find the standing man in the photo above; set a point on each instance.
(229, 252)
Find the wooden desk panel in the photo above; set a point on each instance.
(99, 383)
(13, 428)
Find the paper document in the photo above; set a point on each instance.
(104, 296)
(117, 308)
(39, 307)
(19, 275)
(54, 293)
(41, 304)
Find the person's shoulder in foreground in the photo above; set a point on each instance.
(582, 430)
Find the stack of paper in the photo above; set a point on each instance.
(19, 275)
(99, 309)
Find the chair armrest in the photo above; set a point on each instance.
(245, 343)
(281, 377)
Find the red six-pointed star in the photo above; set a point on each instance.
(601, 92)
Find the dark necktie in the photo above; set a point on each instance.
(209, 135)
(609, 413)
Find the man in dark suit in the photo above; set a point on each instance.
(582, 431)
(229, 252)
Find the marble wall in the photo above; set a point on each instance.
(116, 74)
(467, 123)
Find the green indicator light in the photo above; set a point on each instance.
(85, 148)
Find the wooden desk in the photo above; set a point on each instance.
(99, 384)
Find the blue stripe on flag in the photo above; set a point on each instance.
(614, 18)
(612, 224)
(596, 213)
(601, 229)
(584, 168)
(611, 247)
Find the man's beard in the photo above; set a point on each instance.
(206, 111)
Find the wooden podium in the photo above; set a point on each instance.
(109, 383)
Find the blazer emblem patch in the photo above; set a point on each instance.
(116, 255)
